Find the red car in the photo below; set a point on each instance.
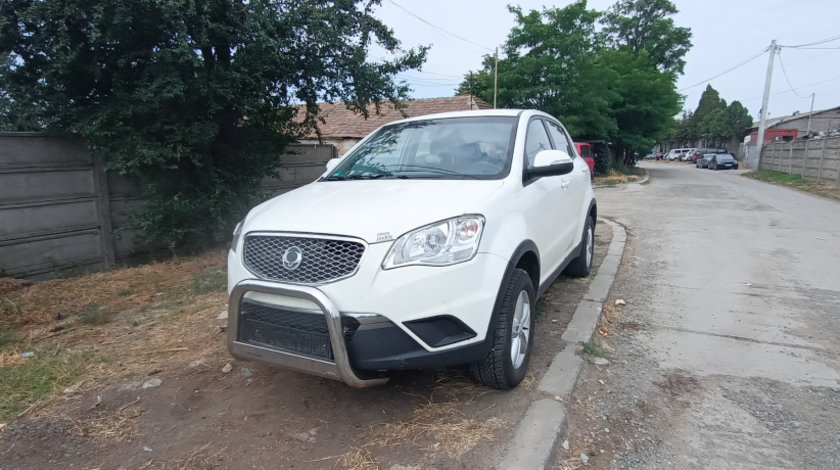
(585, 151)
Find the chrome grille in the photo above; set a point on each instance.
(322, 259)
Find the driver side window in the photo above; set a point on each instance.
(535, 140)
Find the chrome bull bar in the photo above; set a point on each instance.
(338, 370)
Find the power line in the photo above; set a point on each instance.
(797, 88)
(823, 41)
(438, 28)
(745, 62)
(784, 72)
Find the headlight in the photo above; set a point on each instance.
(442, 243)
(237, 232)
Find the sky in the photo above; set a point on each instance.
(724, 35)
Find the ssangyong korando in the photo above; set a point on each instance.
(425, 246)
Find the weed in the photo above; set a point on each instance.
(22, 385)
(7, 338)
(591, 349)
(94, 315)
(210, 280)
(778, 177)
(124, 293)
(10, 306)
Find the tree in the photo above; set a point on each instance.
(194, 99)
(643, 25)
(478, 84)
(646, 105)
(549, 64)
(739, 120)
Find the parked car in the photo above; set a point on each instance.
(427, 245)
(676, 154)
(686, 156)
(585, 151)
(722, 160)
(654, 156)
(703, 161)
(702, 151)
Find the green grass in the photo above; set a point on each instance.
(94, 315)
(772, 176)
(591, 349)
(124, 293)
(7, 338)
(49, 370)
(210, 280)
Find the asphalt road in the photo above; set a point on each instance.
(728, 350)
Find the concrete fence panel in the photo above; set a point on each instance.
(60, 211)
(815, 160)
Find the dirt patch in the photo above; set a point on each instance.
(160, 395)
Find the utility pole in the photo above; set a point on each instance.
(811, 112)
(495, 78)
(763, 118)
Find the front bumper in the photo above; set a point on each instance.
(339, 368)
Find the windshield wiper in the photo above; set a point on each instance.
(364, 176)
(440, 171)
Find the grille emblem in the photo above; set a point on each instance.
(292, 258)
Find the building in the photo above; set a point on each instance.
(344, 128)
(799, 125)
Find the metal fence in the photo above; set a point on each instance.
(59, 207)
(816, 160)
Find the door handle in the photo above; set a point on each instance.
(564, 184)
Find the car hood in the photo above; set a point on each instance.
(373, 210)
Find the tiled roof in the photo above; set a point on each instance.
(342, 123)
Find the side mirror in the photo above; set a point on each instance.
(332, 163)
(551, 163)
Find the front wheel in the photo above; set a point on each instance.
(511, 327)
(582, 264)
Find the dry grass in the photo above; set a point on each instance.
(120, 426)
(444, 428)
(610, 318)
(615, 177)
(198, 460)
(433, 427)
(114, 291)
(158, 316)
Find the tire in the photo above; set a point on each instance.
(511, 327)
(581, 266)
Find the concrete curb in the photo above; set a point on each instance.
(535, 436)
(644, 178)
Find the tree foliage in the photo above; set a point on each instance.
(643, 25)
(714, 121)
(606, 85)
(193, 98)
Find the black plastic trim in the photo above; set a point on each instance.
(385, 346)
(440, 330)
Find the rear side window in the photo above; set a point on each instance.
(535, 140)
(561, 140)
(585, 151)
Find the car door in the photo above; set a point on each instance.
(548, 207)
(574, 186)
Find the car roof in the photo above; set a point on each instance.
(475, 113)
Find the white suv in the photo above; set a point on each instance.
(426, 246)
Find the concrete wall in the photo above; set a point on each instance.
(820, 121)
(816, 160)
(59, 208)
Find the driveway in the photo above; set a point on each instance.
(727, 352)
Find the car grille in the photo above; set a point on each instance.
(295, 331)
(321, 259)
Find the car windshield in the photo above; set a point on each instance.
(724, 157)
(450, 148)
